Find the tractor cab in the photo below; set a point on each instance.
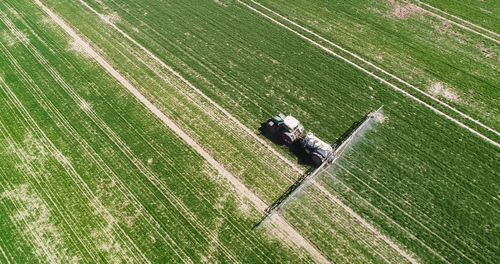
(288, 127)
(293, 129)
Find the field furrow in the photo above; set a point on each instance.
(130, 131)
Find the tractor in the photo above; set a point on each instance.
(291, 130)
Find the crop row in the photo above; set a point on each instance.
(90, 174)
(242, 62)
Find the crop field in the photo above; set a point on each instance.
(129, 131)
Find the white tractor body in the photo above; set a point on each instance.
(291, 122)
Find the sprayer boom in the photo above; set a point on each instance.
(329, 155)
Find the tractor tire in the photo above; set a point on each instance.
(288, 138)
(316, 159)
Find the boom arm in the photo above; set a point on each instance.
(338, 148)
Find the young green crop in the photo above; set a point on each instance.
(89, 174)
(254, 69)
(420, 179)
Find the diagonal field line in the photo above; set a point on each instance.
(223, 110)
(376, 76)
(240, 187)
(4, 255)
(204, 96)
(365, 223)
(461, 20)
(242, 126)
(68, 167)
(359, 58)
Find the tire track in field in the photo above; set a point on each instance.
(75, 176)
(437, 10)
(49, 194)
(258, 203)
(394, 205)
(437, 111)
(34, 177)
(389, 218)
(163, 156)
(294, 166)
(1, 242)
(61, 122)
(124, 148)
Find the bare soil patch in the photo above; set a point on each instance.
(34, 218)
(403, 11)
(11, 40)
(79, 48)
(439, 90)
(380, 117)
(488, 53)
(112, 17)
(221, 3)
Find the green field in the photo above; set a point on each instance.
(446, 61)
(482, 13)
(91, 173)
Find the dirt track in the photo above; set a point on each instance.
(437, 111)
(292, 234)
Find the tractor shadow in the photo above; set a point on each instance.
(302, 157)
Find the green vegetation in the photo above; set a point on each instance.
(437, 57)
(76, 183)
(427, 184)
(482, 13)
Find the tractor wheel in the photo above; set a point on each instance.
(317, 160)
(288, 138)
